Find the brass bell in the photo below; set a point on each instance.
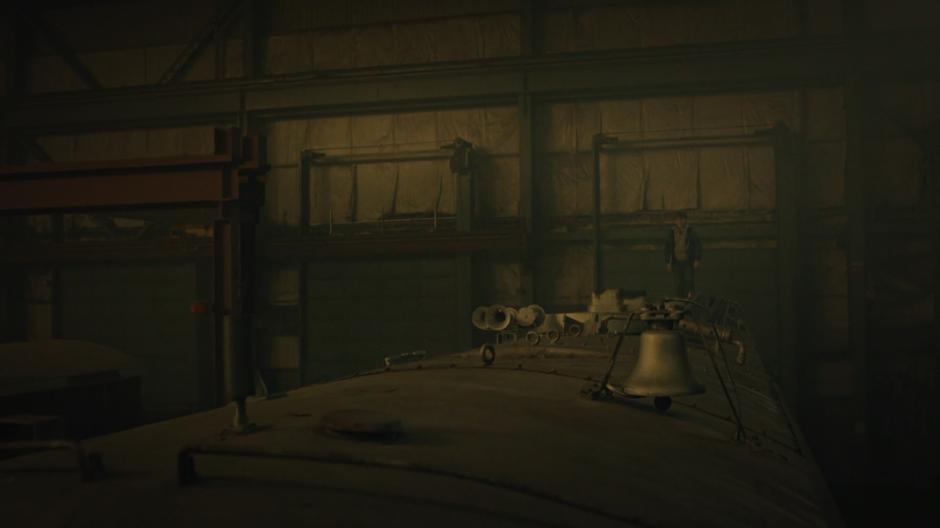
(662, 367)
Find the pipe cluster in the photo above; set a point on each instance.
(498, 317)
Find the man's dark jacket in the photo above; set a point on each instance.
(695, 245)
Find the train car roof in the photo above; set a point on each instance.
(451, 441)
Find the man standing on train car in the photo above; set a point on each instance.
(683, 254)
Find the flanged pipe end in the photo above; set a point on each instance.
(478, 318)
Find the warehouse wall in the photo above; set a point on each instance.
(358, 313)
(729, 191)
(328, 35)
(391, 188)
(141, 309)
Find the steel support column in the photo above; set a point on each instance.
(528, 41)
(527, 196)
(788, 191)
(857, 167)
(466, 205)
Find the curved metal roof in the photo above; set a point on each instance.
(509, 444)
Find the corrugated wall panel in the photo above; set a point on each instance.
(501, 35)
(729, 178)
(394, 187)
(912, 105)
(889, 15)
(901, 179)
(418, 42)
(762, 190)
(234, 58)
(117, 68)
(142, 311)
(330, 192)
(129, 144)
(287, 16)
(653, 24)
(565, 277)
(281, 197)
(51, 74)
(498, 187)
(667, 117)
(624, 183)
(129, 67)
(359, 312)
(672, 179)
(723, 178)
(501, 280)
(375, 190)
(825, 177)
(825, 18)
(109, 26)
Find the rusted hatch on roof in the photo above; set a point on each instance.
(362, 424)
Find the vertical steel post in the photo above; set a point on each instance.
(788, 262)
(857, 167)
(527, 195)
(857, 252)
(464, 263)
(598, 140)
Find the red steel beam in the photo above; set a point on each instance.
(205, 180)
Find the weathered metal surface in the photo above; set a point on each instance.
(513, 443)
(90, 466)
(37, 366)
(500, 436)
(362, 424)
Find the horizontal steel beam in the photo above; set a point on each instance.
(362, 159)
(722, 67)
(108, 251)
(115, 109)
(273, 249)
(668, 70)
(441, 243)
(39, 188)
(209, 180)
(614, 144)
(191, 187)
